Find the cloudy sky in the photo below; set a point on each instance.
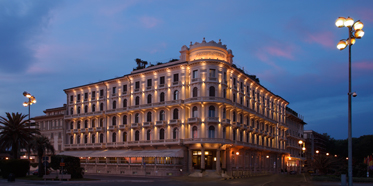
(48, 46)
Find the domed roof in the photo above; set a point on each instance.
(210, 43)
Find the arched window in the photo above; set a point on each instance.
(124, 103)
(224, 93)
(234, 116)
(71, 139)
(78, 139)
(114, 121)
(78, 125)
(195, 92)
(247, 103)
(114, 104)
(241, 100)
(101, 122)
(194, 132)
(176, 95)
(176, 114)
(161, 134)
(175, 133)
(148, 135)
(137, 118)
(224, 113)
(234, 134)
(125, 120)
(224, 133)
(212, 91)
(234, 98)
(78, 110)
(93, 108)
(71, 111)
(211, 111)
(85, 108)
(93, 139)
(85, 139)
(86, 124)
(241, 135)
(161, 97)
(72, 125)
(161, 115)
(195, 112)
(149, 98)
(101, 138)
(93, 123)
(101, 106)
(137, 100)
(137, 135)
(211, 132)
(149, 117)
(241, 118)
(124, 136)
(114, 137)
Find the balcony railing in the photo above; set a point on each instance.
(194, 120)
(174, 122)
(195, 79)
(99, 129)
(147, 124)
(160, 123)
(122, 127)
(175, 83)
(212, 78)
(212, 119)
(76, 130)
(113, 127)
(236, 124)
(135, 125)
(226, 121)
(161, 86)
(92, 129)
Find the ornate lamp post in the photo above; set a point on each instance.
(354, 32)
(300, 155)
(31, 100)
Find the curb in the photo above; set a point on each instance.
(238, 177)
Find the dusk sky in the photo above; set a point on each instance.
(48, 46)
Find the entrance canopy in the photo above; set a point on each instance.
(126, 153)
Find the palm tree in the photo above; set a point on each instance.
(15, 133)
(40, 144)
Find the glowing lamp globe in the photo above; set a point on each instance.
(359, 34)
(340, 22)
(341, 44)
(358, 25)
(349, 22)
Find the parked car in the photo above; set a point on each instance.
(36, 172)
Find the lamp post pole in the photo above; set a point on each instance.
(31, 100)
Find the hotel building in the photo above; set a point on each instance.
(200, 112)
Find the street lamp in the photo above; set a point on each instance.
(355, 31)
(300, 156)
(317, 151)
(31, 100)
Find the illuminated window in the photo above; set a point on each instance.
(161, 115)
(211, 132)
(124, 136)
(211, 111)
(176, 95)
(195, 112)
(195, 73)
(212, 73)
(194, 132)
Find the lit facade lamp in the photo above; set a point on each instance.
(355, 31)
(317, 151)
(31, 100)
(327, 153)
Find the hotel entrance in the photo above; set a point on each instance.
(210, 159)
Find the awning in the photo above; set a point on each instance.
(126, 153)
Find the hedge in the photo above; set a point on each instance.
(72, 165)
(15, 166)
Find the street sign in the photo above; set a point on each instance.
(62, 164)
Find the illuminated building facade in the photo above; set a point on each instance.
(200, 112)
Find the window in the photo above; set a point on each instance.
(149, 117)
(137, 135)
(241, 100)
(71, 111)
(71, 139)
(71, 125)
(124, 103)
(114, 90)
(211, 111)
(234, 82)
(175, 133)
(78, 110)
(234, 97)
(194, 132)
(101, 122)
(137, 117)
(137, 100)
(211, 132)
(225, 76)
(234, 116)
(161, 80)
(93, 94)
(161, 97)
(212, 73)
(86, 124)
(124, 88)
(195, 92)
(78, 125)
(114, 104)
(148, 135)
(224, 133)
(161, 134)
(224, 93)
(93, 123)
(224, 113)
(212, 91)
(161, 115)
(195, 112)
(149, 83)
(195, 73)
(71, 98)
(78, 139)
(241, 135)
(85, 96)
(114, 121)
(85, 139)
(101, 106)
(137, 85)
(101, 92)
(125, 120)
(176, 114)
(241, 87)
(124, 136)
(93, 108)
(234, 134)
(101, 138)
(78, 97)
(176, 95)
(176, 77)
(93, 140)
(149, 98)
(114, 137)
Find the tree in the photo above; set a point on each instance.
(15, 133)
(40, 144)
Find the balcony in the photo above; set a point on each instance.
(85, 130)
(161, 86)
(93, 98)
(100, 129)
(76, 130)
(149, 88)
(226, 122)
(110, 111)
(124, 93)
(213, 79)
(236, 124)
(122, 127)
(135, 125)
(174, 122)
(212, 119)
(92, 129)
(255, 131)
(147, 124)
(194, 120)
(196, 80)
(69, 131)
(114, 94)
(249, 128)
(137, 89)
(113, 127)
(243, 126)
(160, 123)
(175, 83)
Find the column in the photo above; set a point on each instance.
(224, 163)
(218, 160)
(203, 157)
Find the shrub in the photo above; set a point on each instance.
(18, 167)
(72, 165)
